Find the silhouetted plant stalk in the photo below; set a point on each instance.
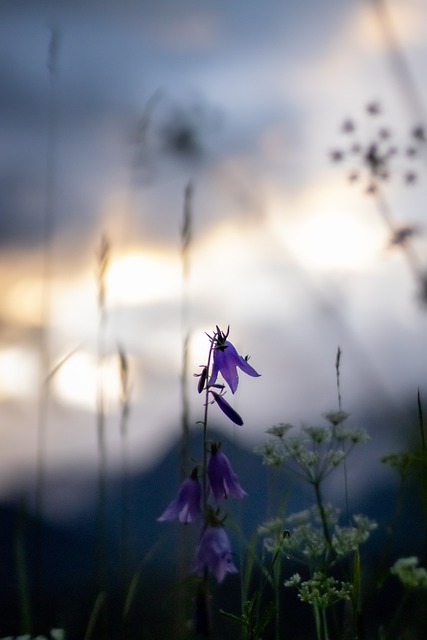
(410, 93)
(256, 614)
(48, 229)
(183, 551)
(399, 66)
(125, 395)
(97, 609)
(186, 232)
(193, 503)
(103, 257)
(404, 463)
(372, 165)
(130, 599)
(22, 569)
(339, 413)
(423, 469)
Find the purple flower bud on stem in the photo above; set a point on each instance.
(202, 379)
(227, 409)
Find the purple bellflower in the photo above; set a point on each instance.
(186, 506)
(213, 553)
(226, 360)
(223, 482)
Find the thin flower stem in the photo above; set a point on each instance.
(317, 621)
(424, 468)
(124, 485)
(102, 265)
(277, 599)
(325, 625)
(337, 372)
(184, 542)
(322, 513)
(205, 425)
(404, 78)
(338, 377)
(22, 570)
(391, 627)
(102, 472)
(45, 309)
(95, 613)
(386, 214)
(421, 421)
(185, 246)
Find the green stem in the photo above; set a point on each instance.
(424, 469)
(325, 625)
(277, 601)
(21, 569)
(124, 490)
(318, 622)
(322, 513)
(397, 614)
(97, 608)
(421, 421)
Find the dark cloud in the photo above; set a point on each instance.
(111, 58)
(21, 102)
(22, 201)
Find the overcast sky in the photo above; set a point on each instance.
(247, 100)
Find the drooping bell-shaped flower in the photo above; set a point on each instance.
(226, 360)
(214, 553)
(223, 482)
(186, 506)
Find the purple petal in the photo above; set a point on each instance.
(227, 409)
(228, 360)
(186, 506)
(223, 482)
(247, 368)
(225, 361)
(215, 371)
(214, 553)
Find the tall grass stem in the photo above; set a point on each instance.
(45, 311)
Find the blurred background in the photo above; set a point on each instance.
(167, 167)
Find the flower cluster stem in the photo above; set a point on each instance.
(317, 620)
(322, 513)
(325, 625)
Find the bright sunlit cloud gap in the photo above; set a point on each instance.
(18, 373)
(326, 234)
(329, 240)
(143, 277)
(75, 383)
